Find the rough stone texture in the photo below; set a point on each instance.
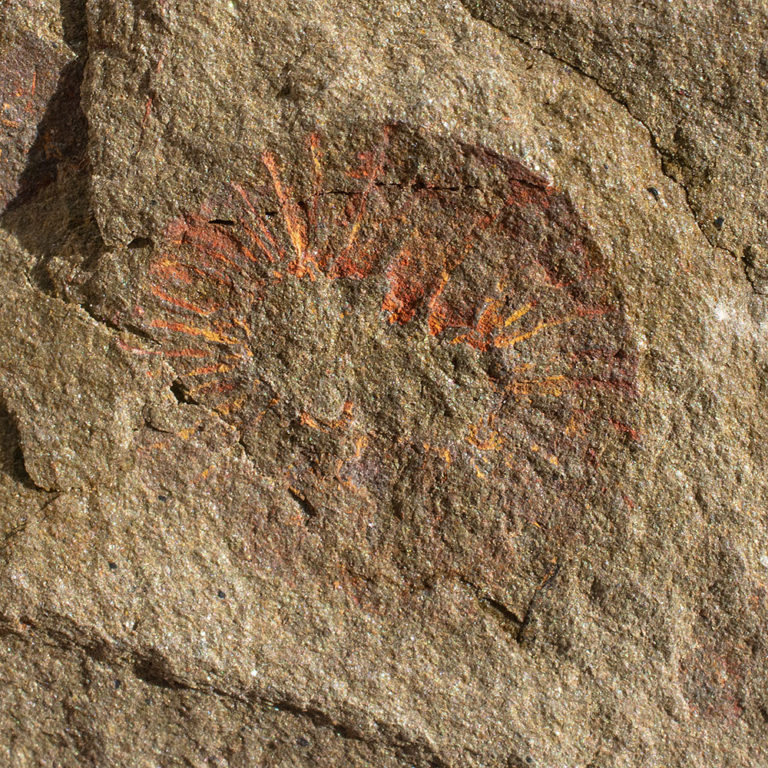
(34, 57)
(383, 384)
(694, 73)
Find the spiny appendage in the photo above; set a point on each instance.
(516, 280)
(196, 300)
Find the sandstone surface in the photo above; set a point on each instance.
(383, 383)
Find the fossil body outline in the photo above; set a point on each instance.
(485, 270)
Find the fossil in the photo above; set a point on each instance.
(418, 336)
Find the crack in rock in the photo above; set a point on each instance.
(152, 668)
(617, 99)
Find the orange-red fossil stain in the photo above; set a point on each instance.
(419, 338)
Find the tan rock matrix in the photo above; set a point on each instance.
(383, 384)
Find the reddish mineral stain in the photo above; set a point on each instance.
(41, 125)
(418, 337)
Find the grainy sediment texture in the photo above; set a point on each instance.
(383, 384)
